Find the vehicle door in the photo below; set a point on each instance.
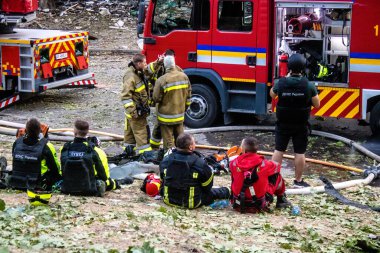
(172, 27)
(233, 50)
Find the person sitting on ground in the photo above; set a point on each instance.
(186, 178)
(255, 180)
(35, 163)
(85, 168)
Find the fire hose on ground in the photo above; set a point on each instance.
(66, 134)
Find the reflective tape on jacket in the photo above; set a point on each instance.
(128, 115)
(171, 118)
(204, 184)
(191, 198)
(128, 103)
(176, 86)
(151, 68)
(140, 86)
(188, 102)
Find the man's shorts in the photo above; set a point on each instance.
(298, 133)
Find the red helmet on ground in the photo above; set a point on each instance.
(153, 184)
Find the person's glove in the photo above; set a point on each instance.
(126, 180)
(151, 103)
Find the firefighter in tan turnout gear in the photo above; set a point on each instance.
(135, 97)
(172, 93)
(155, 70)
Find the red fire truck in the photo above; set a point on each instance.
(33, 61)
(13, 12)
(233, 50)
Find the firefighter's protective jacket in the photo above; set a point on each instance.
(155, 70)
(134, 92)
(185, 178)
(172, 92)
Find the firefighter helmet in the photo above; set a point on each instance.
(153, 184)
(297, 63)
(38, 198)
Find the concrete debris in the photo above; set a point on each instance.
(116, 8)
(120, 23)
(104, 11)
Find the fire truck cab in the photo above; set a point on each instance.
(234, 50)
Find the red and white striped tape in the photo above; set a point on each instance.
(77, 83)
(8, 101)
(83, 82)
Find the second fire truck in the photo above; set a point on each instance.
(233, 50)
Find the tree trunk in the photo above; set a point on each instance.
(47, 4)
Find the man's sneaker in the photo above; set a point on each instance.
(282, 202)
(301, 184)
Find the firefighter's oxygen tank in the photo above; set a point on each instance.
(283, 66)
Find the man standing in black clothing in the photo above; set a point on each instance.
(85, 168)
(296, 95)
(35, 163)
(187, 179)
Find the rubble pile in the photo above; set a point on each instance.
(111, 23)
(81, 14)
(116, 8)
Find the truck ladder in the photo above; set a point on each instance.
(26, 82)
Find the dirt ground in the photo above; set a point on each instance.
(128, 220)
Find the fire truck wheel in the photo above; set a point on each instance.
(204, 107)
(374, 119)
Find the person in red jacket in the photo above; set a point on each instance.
(255, 180)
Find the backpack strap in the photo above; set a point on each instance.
(250, 177)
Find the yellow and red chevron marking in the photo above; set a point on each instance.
(36, 69)
(61, 47)
(10, 70)
(338, 103)
(70, 36)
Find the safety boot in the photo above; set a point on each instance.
(101, 187)
(283, 202)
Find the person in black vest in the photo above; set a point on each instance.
(35, 163)
(187, 179)
(85, 168)
(296, 95)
